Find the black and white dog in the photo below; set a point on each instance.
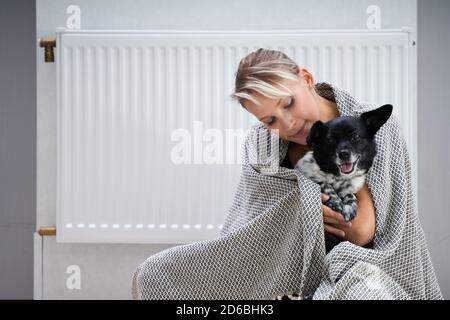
(343, 150)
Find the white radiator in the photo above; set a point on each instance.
(122, 94)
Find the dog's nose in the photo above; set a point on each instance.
(344, 154)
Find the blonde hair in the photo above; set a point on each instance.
(262, 71)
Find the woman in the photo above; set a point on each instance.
(283, 97)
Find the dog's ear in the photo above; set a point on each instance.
(374, 119)
(314, 132)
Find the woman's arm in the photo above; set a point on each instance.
(361, 230)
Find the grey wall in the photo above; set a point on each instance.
(17, 147)
(433, 116)
(18, 102)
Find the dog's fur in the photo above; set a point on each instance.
(337, 143)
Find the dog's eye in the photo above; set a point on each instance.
(355, 138)
(330, 139)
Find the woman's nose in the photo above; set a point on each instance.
(288, 123)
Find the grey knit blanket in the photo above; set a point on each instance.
(272, 241)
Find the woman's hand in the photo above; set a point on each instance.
(361, 230)
(333, 221)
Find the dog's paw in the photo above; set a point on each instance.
(335, 204)
(292, 296)
(349, 211)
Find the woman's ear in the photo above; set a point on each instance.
(304, 73)
(314, 133)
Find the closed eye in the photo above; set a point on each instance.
(271, 122)
(290, 104)
(285, 107)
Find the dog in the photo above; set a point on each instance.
(342, 153)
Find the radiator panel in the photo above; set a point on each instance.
(122, 95)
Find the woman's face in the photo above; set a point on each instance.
(293, 116)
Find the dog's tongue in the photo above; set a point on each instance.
(347, 167)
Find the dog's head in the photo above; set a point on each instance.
(345, 145)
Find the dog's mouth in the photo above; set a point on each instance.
(348, 167)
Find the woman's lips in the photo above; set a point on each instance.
(300, 133)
